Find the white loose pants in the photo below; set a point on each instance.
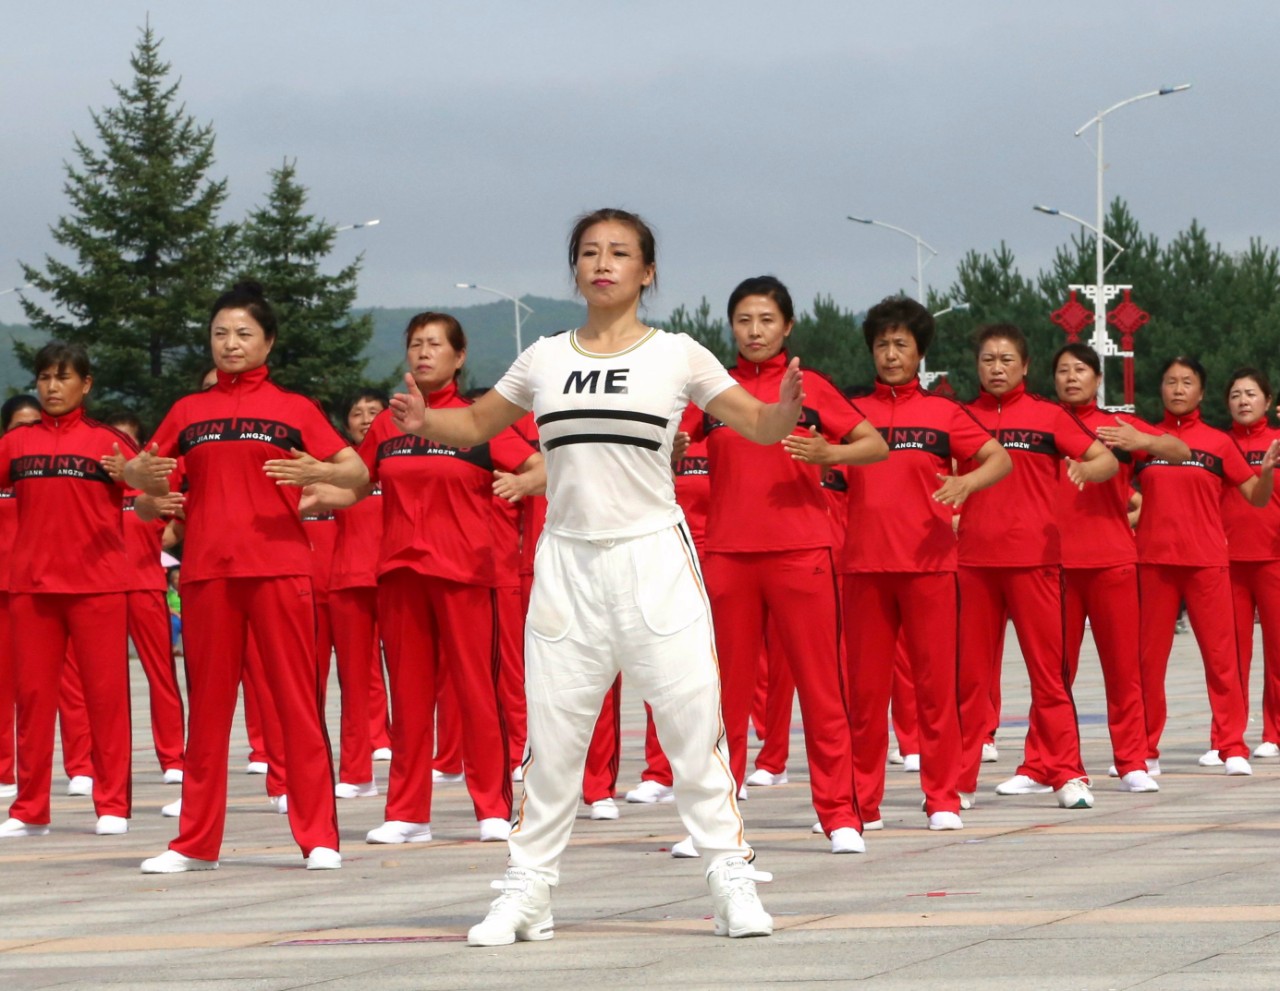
(635, 606)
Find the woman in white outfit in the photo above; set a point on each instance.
(617, 587)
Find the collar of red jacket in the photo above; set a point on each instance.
(772, 366)
(442, 397)
(897, 393)
(1259, 426)
(254, 376)
(1182, 421)
(988, 401)
(1084, 409)
(64, 421)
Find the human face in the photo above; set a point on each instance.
(610, 269)
(1075, 381)
(61, 390)
(238, 342)
(896, 356)
(1247, 402)
(1181, 390)
(759, 328)
(1000, 367)
(361, 417)
(432, 360)
(22, 417)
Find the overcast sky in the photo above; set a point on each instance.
(744, 131)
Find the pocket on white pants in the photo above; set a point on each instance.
(550, 605)
(668, 592)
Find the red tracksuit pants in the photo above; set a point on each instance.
(879, 609)
(771, 709)
(427, 623)
(221, 617)
(1033, 598)
(1207, 592)
(902, 702)
(354, 616)
(73, 721)
(43, 627)
(8, 733)
(796, 590)
(1255, 585)
(1109, 598)
(152, 638)
(262, 722)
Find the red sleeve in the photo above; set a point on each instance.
(509, 450)
(368, 449)
(166, 436)
(967, 434)
(5, 456)
(839, 416)
(692, 423)
(1071, 436)
(1235, 469)
(320, 438)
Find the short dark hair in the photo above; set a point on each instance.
(128, 419)
(13, 405)
(899, 311)
(648, 243)
(1081, 352)
(763, 285)
(375, 395)
(61, 355)
(1249, 372)
(1186, 361)
(990, 331)
(248, 295)
(453, 332)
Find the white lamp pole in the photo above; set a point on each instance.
(352, 227)
(518, 307)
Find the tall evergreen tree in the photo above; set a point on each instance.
(711, 334)
(829, 340)
(148, 250)
(320, 343)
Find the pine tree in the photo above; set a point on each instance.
(149, 252)
(711, 334)
(829, 340)
(320, 342)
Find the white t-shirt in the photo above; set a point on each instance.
(606, 423)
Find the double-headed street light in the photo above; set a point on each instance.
(1053, 211)
(518, 307)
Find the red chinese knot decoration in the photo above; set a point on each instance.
(1127, 318)
(1074, 317)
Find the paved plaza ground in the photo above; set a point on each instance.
(1176, 890)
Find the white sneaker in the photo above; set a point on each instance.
(1112, 772)
(872, 825)
(521, 911)
(685, 849)
(604, 809)
(256, 767)
(367, 790)
(1075, 794)
(172, 862)
(847, 840)
(324, 858)
(945, 820)
(989, 753)
(1138, 781)
(517, 773)
(382, 754)
(1264, 749)
(742, 793)
(1210, 758)
(817, 828)
(80, 785)
(737, 907)
(395, 831)
(760, 778)
(895, 756)
(111, 826)
(9, 790)
(1020, 784)
(1237, 765)
(172, 810)
(1153, 766)
(16, 827)
(648, 792)
(440, 778)
(492, 830)
(911, 763)
(968, 799)
(173, 776)
(280, 803)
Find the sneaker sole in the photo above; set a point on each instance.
(722, 929)
(1082, 804)
(535, 933)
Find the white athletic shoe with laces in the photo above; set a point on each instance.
(382, 754)
(760, 778)
(648, 792)
(945, 820)
(685, 849)
(395, 831)
(324, 858)
(1075, 794)
(846, 839)
(344, 789)
(8, 790)
(81, 784)
(606, 808)
(1021, 784)
(522, 910)
(173, 776)
(1264, 749)
(494, 829)
(736, 904)
(1237, 765)
(1138, 781)
(172, 862)
(280, 803)
(989, 753)
(16, 827)
(111, 826)
(1210, 758)
(172, 810)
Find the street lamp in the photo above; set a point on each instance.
(5, 292)
(953, 308)
(352, 227)
(1100, 291)
(1053, 211)
(518, 307)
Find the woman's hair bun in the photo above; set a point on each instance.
(249, 287)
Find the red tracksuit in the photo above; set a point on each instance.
(900, 582)
(1100, 562)
(1253, 545)
(1011, 559)
(435, 604)
(246, 574)
(151, 634)
(770, 556)
(1182, 555)
(322, 531)
(8, 739)
(353, 606)
(67, 500)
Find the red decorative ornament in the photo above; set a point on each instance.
(1128, 318)
(1073, 317)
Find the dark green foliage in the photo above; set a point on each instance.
(711, 334)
